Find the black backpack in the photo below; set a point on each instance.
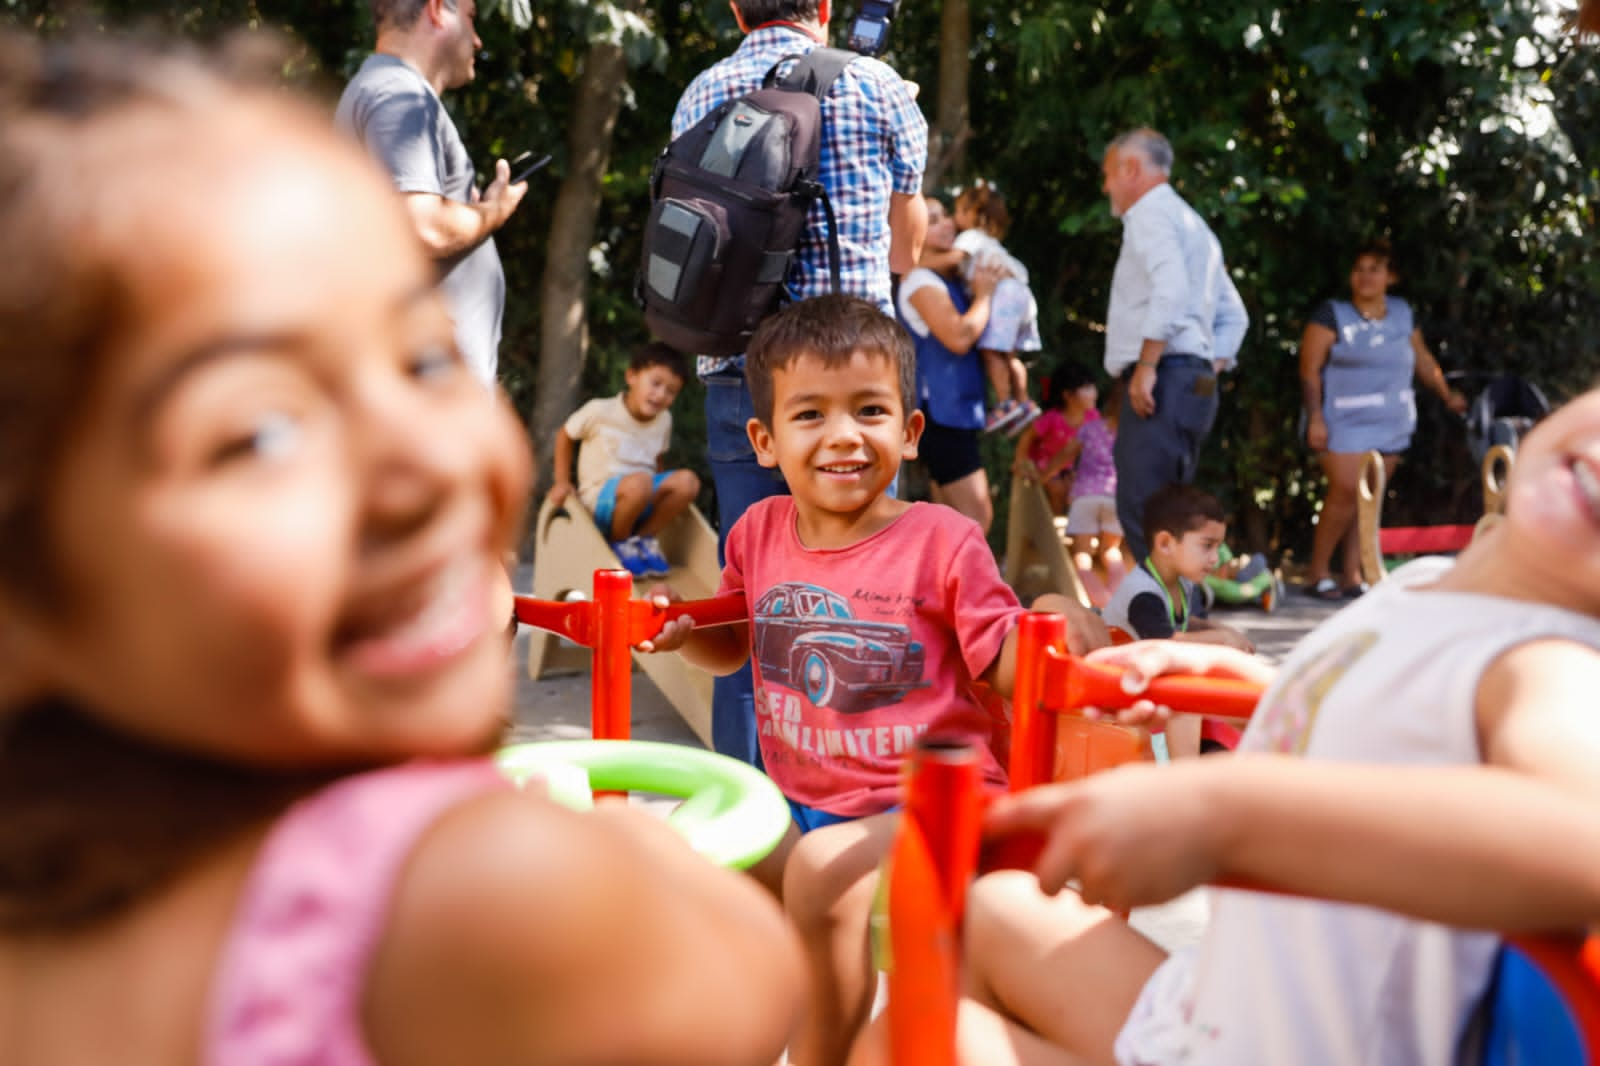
(728, 206)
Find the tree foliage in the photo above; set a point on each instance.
(1465, 130)
(1462, 129)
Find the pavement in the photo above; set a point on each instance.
(557, 708)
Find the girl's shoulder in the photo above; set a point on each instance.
(552, 911)
(315, 904)
(367, 892)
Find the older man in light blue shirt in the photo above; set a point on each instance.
(1175, 322)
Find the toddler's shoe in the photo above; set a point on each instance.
(1002, 416)
(1027, 412)
(632, 557)
(655, 562)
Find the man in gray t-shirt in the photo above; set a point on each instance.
(392, 105)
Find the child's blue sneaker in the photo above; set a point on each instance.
(655, 562)
(632, 557)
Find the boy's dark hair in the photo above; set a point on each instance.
(832, 328)
(760, 12)
(657, 353)
(1177, 509)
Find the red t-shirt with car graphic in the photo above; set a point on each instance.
(858, 651)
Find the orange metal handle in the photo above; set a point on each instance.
(1071, 684)
(716, 611)
(612, 623)
(576, 620)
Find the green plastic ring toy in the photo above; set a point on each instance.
(731, 813)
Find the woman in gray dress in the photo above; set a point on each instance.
(1358, 361)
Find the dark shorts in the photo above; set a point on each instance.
(949, 454)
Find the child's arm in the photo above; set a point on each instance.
(562, 463)
(1063, 458)
(719, 650)
(942, 262)
(1085, 632)
(581, 939)
(1021, 464)
(1147, 659)
(1507, 846)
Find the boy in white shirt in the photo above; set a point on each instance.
(620, 479)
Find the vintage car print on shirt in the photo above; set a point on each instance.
(806, 639)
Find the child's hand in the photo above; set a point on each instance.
(1132, 836)
(1144, 714)
(1145, 660)
(559, 493)
(1232, 638)
(673, 633)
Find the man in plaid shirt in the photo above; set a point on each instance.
(874, 150)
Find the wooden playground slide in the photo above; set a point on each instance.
(569, 548)
(1036, 537)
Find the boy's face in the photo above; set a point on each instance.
(651, 391)
(838, 434)
(1194, 555)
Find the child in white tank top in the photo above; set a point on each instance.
(1428, 756)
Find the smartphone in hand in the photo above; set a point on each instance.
(521, 176)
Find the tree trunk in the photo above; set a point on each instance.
(564, 327)
(947, 141)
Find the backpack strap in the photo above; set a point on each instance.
(834, 255)
(815, 72)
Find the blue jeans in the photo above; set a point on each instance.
(1150, 452)
(740, 482)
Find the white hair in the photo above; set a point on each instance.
(1153, 148)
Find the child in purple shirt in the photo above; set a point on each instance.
(1092, 526)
